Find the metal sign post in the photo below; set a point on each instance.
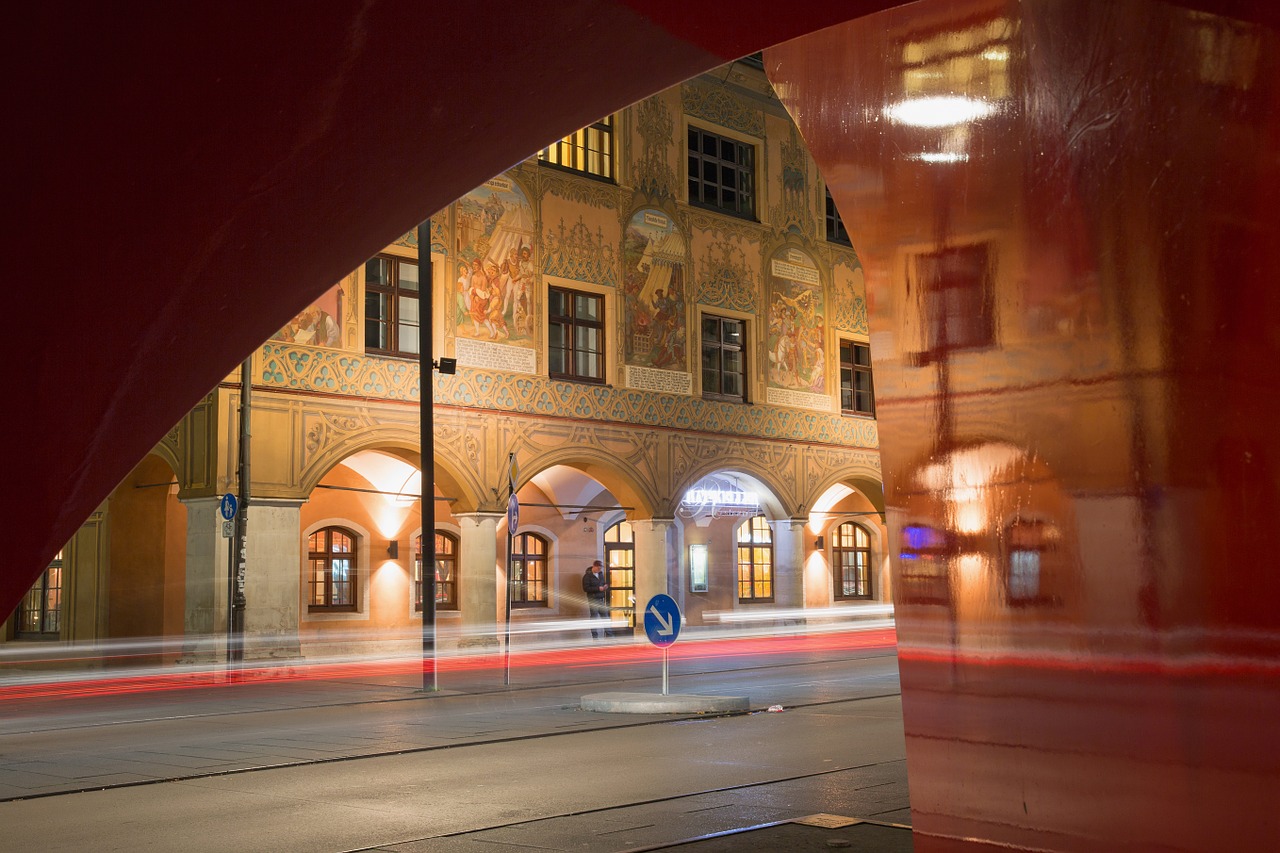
(662, 627)
(513, 521)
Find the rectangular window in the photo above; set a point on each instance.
(575, 335)
(391, 290)
(724, 348)
(835, 225)
(40, 614)
(722, 173)
(588, 151)
(856, 394)
(958, 311)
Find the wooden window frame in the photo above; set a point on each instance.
(845, 541)
(393, 293)
(740, 167)
(851, 368)
(446, 591)
(754, 576)
(35, 605)
(571, 323)
(576, 152)
(521, 556)
(326, 557)
(620, 538)
(720, 347)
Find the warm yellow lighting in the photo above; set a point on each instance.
(969, 568)
(996, 54)
(971, 517)
(939, 111)
(940, 157)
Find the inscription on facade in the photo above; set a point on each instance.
(800, 399)
(496, 356)
(662, 381)
(795, 272)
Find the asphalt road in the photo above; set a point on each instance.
(365, 761)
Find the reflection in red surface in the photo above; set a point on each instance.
(1066, 216)
(601, 657)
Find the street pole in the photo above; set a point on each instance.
(426, 388)
(236, 600)
(511, 491)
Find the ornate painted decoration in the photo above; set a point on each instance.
(320, 324)
(725, 279)
(795, 211)
(577, 254)
(573, 188)
(796, 323)
(654, 175)
(718, 106)
(654, 291)
(439, 237)
(308, 369)
(495, 288)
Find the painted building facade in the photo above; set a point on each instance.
(660, 320)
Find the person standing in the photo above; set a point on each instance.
(596, 586)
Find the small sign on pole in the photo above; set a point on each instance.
(228, 529)
(662, 627)
(513, 514)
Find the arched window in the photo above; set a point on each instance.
(755, 560)
(851, 561)
(620, 559)
(332, 552)
(528, 571)
(446, 572)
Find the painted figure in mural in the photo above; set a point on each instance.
(314, 327)
(493, 210)
(497, 323)
(522, 318)
(464, 289)
(480, 297)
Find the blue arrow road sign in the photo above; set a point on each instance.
(662, 620)
(228, 506)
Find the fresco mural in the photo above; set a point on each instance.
(319, 324)
(494, 273)
(797, 334)
(654, 293)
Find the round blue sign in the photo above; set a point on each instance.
(228, 506)
(513, 514)
(662, 620)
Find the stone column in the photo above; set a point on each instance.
(205, 611)
(481, 580)
(788, 562)
(656, 560)
(273, 578)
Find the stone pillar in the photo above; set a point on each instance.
(273, 578)
(205, 611)
(656, 560)
(788, 562)
(481, 580)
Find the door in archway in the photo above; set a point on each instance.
(620, 559)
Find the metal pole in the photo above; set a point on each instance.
(426, 388)
(235, 646)
(664, 670)
(511, 490)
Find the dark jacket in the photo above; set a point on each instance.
(595, 585)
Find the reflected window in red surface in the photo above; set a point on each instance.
(529, 570)
(1028, 566)
(957, 298)
(332, 556)
(755, 560)
(851, 558)
(922, 575)
(446, 572)
(836, 232)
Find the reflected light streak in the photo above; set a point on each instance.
(698, 644)
(939, 111)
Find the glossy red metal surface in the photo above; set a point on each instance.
(1071, 272)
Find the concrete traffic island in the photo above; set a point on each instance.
(656, 703)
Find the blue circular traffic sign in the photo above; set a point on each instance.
(662, 620)
(228, 506)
